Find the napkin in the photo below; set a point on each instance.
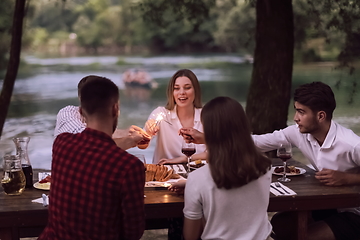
(273, 190)
(178, 168)
(42, 175)
(44, 200)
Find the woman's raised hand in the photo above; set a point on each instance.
(151, 127)
(192, 135)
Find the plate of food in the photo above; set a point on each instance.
(43, 184)
(197, 164)
(290, 170)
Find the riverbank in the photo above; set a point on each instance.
(53, 84)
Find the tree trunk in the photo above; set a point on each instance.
(270, 88)
(14, 60)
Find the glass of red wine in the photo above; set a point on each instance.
(188, 149)
(284, 152)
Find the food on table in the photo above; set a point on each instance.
(159, 173)
(44, 183)
(46, 179)
(289, 169)
(197, 164)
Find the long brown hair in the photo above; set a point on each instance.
(170, 88)
(233, 157)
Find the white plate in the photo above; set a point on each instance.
(157, 184)
(42, 186)
(192, 164)
(302, 171)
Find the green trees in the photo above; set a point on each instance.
(6, 11)
(313, 29)
(235, 30)
(322, 27)
(14, 60)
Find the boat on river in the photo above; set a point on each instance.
(138, 78)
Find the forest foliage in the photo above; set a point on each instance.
(324, 29)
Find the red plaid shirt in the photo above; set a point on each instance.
(97, 189)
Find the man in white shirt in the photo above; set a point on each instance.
(333, 150)
(70, 120)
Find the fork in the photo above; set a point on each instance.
(277, 184)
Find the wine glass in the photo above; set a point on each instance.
(188, 149)
(284, 152)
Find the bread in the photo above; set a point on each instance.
(143, 146)
(168, 175)
(146, 139)
(150, 172)
(159, 173)
(174, 175)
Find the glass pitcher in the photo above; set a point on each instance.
(21, 144)
(13, 180)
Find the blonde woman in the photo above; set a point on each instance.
(182, 110)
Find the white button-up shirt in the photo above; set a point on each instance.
(168, 142)
(69, 120)
(340, 150)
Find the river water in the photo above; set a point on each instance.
(50, 84)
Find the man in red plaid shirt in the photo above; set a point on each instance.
(97, 189)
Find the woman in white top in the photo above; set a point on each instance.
(182, 110)
(228, 197)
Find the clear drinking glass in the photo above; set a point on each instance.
(188, 149)
(13, 181)
(284, 152)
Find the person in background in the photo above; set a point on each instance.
(182, 110)
(70, 120)
(97, 188)
(333, 150)
(228, 197)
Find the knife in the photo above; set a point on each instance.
(281, 192)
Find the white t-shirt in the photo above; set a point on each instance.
(239, 213)
(168, 141)
(340, 150)
(69, 120)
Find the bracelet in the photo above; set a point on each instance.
(190, 159)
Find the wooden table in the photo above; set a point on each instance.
(311, 195)
(19, 217)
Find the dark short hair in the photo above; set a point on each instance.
(83, 81)
(170, 88)
(317, 96)
(98, 94)
(233, 157)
